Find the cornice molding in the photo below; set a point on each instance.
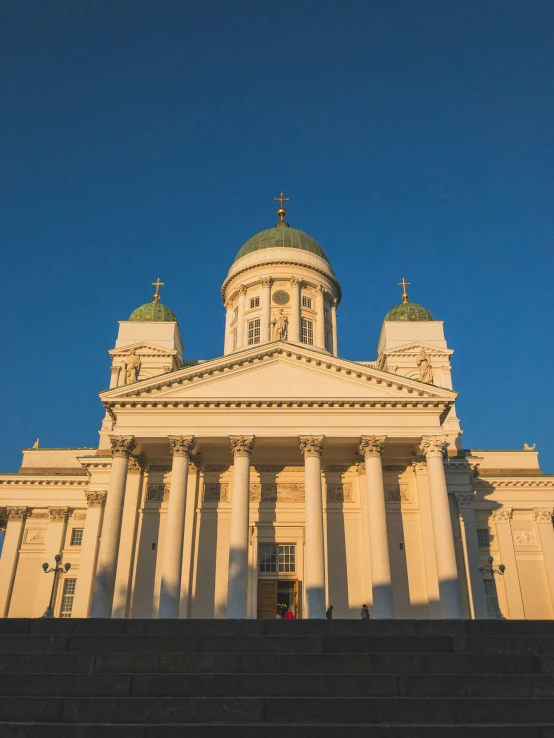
(281, 262)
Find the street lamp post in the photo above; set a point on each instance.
(490, 570)
(56, 570)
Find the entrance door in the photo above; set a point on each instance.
(276, 596)
(267, 599)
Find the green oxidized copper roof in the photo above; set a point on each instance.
(153, 311)
(409, 311)
(282, 236)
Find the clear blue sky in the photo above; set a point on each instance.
(148, 138)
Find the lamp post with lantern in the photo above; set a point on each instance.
(491, 571)
(56, 570)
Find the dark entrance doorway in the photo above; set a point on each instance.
(275, 597)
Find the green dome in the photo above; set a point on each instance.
(153, 311)
(282, 236)
(409, 311)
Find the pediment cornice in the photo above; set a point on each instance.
(142, 348)
(413, 348)
(390, 389)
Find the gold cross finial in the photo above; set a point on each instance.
(157, 284)
(404, 284)
(282, 212)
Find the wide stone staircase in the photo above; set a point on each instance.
(275, 678)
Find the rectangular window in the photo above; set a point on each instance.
(329, 342)
(67, 597)
(236, 312)
(483, 538)
(253, 331)
(306, 302)
(493, 610)
(326, 313)
(77, 536)
(234, 334)
(307, 331)
(277, 559)
(254, 302)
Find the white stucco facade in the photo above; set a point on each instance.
(279, 474)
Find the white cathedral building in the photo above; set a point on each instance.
(279, 476)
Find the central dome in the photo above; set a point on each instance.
(279, 237)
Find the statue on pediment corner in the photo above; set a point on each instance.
(132, 368)
(425, 368)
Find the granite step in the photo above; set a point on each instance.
(278, 685)
(277, 710)
(265, 730)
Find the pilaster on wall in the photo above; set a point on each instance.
(502, 519)
(10, 555)
(428, 538)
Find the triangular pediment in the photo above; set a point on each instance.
(278, 371)
(413, 348)
(142, 348)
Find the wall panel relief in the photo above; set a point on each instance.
(35, 536)
(397, 493)
(277, 492)
(216, 492)
(339, 492)
(157, 493)
(525, 537)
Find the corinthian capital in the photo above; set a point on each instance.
(95, 499)
(122, 445)
(136, 464)
(433, 446)
(320, 290)
(181, 445)
(543, 514)
(294, 281)
(372, 446)
(267, 282)
(311, 446)
(464, 500)
(242, 290)
(57, 514)
(16, 513)
(504, 515)
(241, 445)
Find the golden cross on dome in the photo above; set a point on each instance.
(157, 284)
(404, 284)
(282, 212)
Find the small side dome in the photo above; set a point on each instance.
(153, 311)
(409, 311)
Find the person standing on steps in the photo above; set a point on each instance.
(365, 613)
(329, 613)
(289, 615)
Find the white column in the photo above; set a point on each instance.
(55, 534)
(189, 537)
(314, 547)
(228, 344)
(170, 590)
(512, 585)
(477, 600)
(451, 606)
(10, 555)
(371, 448)
(89, 554)
(334, 322)
(104, 580)
(543, 519)
(237, 596)
(294, 323)
(241, 328)
(266, 310)
(128, 539)
(320, 320)
(114, 376)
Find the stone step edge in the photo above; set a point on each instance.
(282, 726)
(376, 674)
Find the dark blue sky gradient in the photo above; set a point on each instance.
(144, 139)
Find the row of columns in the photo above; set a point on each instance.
(294, 326)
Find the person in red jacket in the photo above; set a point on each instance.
(289, 615)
